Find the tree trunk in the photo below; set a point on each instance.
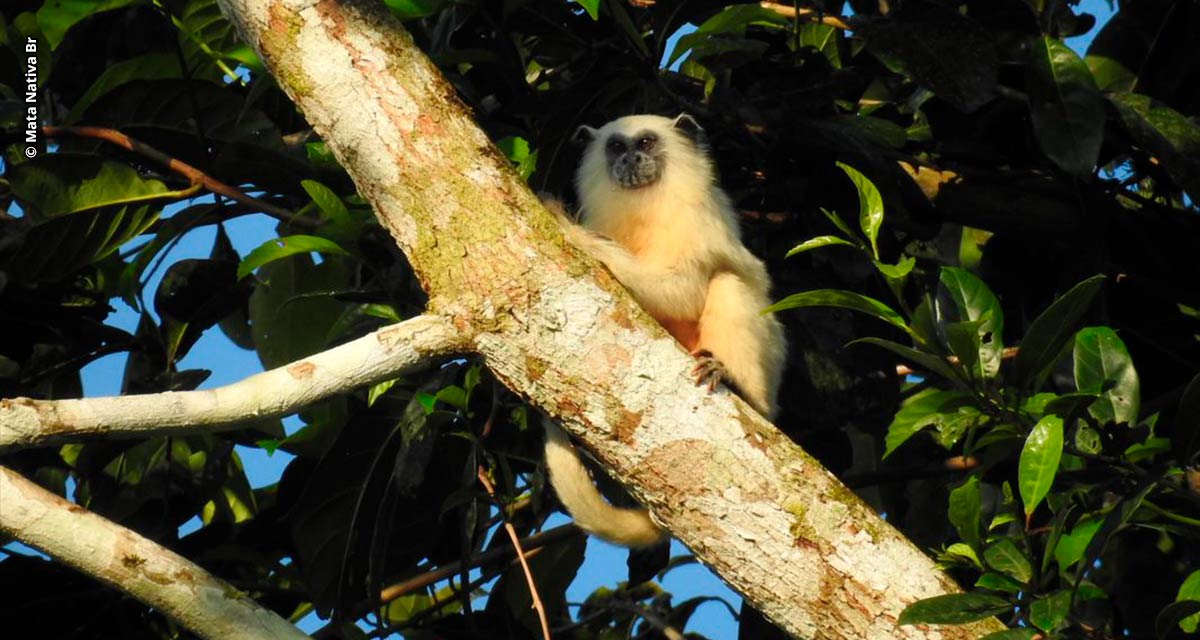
(754, 507)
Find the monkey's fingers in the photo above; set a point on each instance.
(708, 370)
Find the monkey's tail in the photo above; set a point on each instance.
(593, 514)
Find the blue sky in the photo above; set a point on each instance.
(606, 564)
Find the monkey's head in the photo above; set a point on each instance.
(636, 152)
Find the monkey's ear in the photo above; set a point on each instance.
(687, 124)
(583, 135)
(691, 129)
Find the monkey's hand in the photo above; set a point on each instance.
(708, 370)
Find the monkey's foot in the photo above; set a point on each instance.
(708, 370)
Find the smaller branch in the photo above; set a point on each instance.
(529, 544)
(390, 352)
(455, 594)
(195, 176)
(516, 543)
(811, 15)
(205, 604)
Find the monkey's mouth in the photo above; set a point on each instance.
(635, 175)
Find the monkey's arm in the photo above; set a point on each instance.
(674, 292)
(749, 345)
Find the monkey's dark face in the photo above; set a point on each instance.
(634, 161)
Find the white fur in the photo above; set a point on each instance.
(675, 244)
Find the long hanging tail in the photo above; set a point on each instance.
(593, 514)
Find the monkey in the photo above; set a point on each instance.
(653, 213)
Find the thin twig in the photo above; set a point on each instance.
(455, 593)
(516, 542)
(807, 14)
(194, 175)
(423, 580)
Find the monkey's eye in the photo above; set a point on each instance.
(616, 146)
(646, 143)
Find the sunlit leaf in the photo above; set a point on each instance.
(277, 248)
(973, 301)
(1039, 462)
(816, 243)
(870, 206)
(843, 300)
(1103, 366)
(923, 409)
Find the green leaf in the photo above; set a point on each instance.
(1066, 108)
(1071, 546)
(1012, 634)
(1049, 333)
(1039, 462)
(966, 505)
(289, 322)
(974, 302)
(375, 391)
(1103, 365)
(1049, 613)
(1164, 133)
(841, 225)
(146, 67)
(963, 550)
(815, 243)
(1004, 556)
(1190, 590)
(58, 184)
(870, 206)
(922, 409)
(955, 608)
(592, 7)
(843, 300)
(209, 42)
(412, 9)
(327, 201)
(1177, 615)
(277, 248)
(57, 17)
(825, 40)
(516, 149)
(999, 582)
(897, 271)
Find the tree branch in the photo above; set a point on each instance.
(144, 569)
(387, 353)
(560, 331)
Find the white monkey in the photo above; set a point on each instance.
(654, 214)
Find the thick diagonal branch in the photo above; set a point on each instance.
(558, 330)
(387, 353)
(144, 569)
